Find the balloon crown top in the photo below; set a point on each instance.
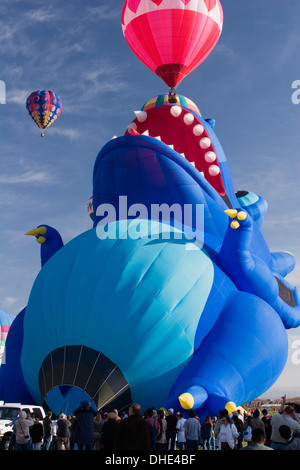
(133, 8)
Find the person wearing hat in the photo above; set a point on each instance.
(83, 426)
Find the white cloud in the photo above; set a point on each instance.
(27, 177)
(72, 134)
(17, 96)
(9, 302)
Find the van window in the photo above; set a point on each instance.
(7, 412)
(27, 410)
(37, 413)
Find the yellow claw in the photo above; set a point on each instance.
(242, 215)
(186, 401)
(234, 224)
(41, 240)
(231, 212)
(230, 407)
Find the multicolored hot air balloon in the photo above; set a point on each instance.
(43, 107)
(172, 37)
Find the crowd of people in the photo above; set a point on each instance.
(158, 430)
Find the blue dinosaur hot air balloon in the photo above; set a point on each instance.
(43, 107)
(144, 306)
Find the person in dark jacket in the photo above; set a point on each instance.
(37, 432)
(83, 432)
(171, 429)
(109, 429)
(62, 432)
(134, 432)
(47, 423)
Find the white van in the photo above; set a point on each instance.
(8, 412)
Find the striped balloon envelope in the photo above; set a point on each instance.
(6, 320)
(162, 100)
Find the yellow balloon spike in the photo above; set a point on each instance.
(186, 401)
(242, 215)
(234, 224)
(231, 212)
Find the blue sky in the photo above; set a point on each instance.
(77, 49)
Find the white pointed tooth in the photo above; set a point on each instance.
(205, 143)
(214, 170)
(202, 173)
(146, 132)
(183, 155)
(171, 146)
(189, 119)
(141, 115)
(193, 163)
(132, 125)
(210, 157)
(176, 111)
(198, 129)
(158, 137)
(113, 137)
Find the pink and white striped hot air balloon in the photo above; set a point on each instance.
(6, 320)
(172, 37)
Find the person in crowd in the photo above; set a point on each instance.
(256, 422)
(37, 432)
(239, 426)
(192, 431)
(292, 442)
(213, 436)
(83, 433)
(171, 429)
(288, 418)
(206, 433)
(266, 419)
(109, 430)
(134, 432)
(181, 440)
(23, 425)
(118, 418)
(240, 415)
(228, 434)
(161, 441)
(98, 424)
(62, 432)
(53, 445)
(47, 425)
(217, 424)
(155, 426)
(258, 440)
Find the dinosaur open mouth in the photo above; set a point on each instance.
(181, 130)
